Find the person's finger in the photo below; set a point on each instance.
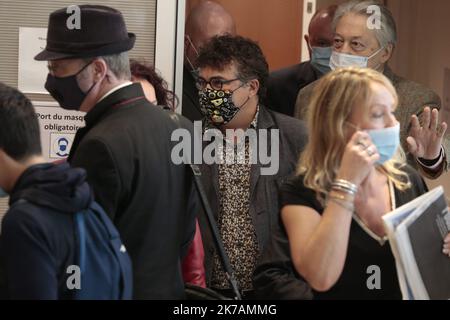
(359, 137)
(374, 157)
(356, 137)
(446, 247)
(415, 125)
(442, 130)
(447, 239)
(434, 119)
(365, 138)
(412, 145)
(425, 118)
(371, 150)
(367, 151)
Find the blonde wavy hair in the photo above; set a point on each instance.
(333, 100)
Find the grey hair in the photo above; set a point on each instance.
(119, 64)
(385, 35)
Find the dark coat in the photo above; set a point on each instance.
(283, 86)
(264, 188)
(126, 151)
(37, 243)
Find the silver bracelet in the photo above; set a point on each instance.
(344, 190)
(345, 185)
(343, 204)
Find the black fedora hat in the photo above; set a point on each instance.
(102, 32)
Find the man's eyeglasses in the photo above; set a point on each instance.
(214, 83)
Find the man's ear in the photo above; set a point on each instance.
(308, 44)
(254, 87)
(387, 53)
(100, 69)
(306, 37)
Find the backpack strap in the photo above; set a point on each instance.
(119, 251)
(81, 232)
(80, 258)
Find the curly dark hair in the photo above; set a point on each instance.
(19, 125)
(221, 51)
(146, 71)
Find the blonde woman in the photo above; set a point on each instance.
(350, 174)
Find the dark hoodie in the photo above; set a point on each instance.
(37, 242)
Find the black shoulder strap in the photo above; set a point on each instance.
(224, 259)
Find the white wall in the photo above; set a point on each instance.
(170, 17)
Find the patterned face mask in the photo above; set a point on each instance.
(218, 105)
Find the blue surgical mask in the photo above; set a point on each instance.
(387, 141)
(343, 60)
(3, 193)
(320, 58)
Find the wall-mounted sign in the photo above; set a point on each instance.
(32, 74)
(58, 128)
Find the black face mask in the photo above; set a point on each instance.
(66, 90)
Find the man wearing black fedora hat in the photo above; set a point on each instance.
(125, 146)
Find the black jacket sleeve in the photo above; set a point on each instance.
(193, 201)
(192, 211)
(275, 277)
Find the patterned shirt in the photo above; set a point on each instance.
(234, 219)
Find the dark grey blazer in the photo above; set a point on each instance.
(283, 86)
(264, 189)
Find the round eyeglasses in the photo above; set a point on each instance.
(215, 83)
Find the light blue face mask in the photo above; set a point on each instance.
(320, 58)
(387, 141)
(3, 193)
(343, 60)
